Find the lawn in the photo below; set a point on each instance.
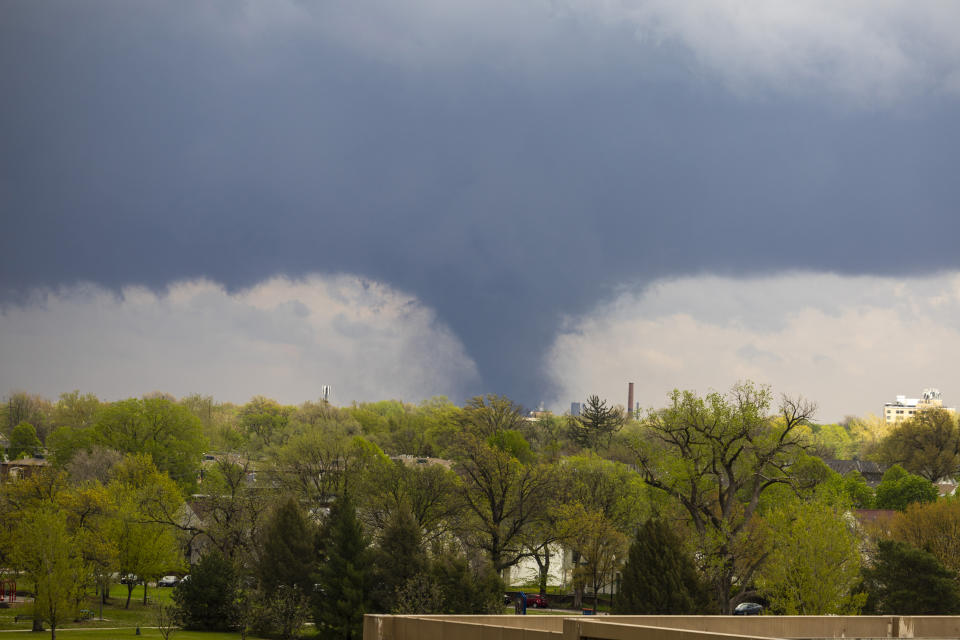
(114, 613)
(127, 634)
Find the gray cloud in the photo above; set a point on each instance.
(505, 163)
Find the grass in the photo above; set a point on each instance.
(125, 634)
(114, 613)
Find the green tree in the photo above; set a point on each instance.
(907, 581)
(464, 589)
(24, 442)
(928, 445)
(287, 550)
(342, 575)
(812, 574)
(207, 599)
(396, 560)
(597, 544)
(48, 554)
(659, 576)
(900, 488)
(933, 527)
(265, 421)
(168, 432)
(487, 415)
(503, 499)
(716, 456)
(596, 424)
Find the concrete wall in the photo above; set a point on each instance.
(385, 627)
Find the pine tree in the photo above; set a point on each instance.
(288, 551)
(907, 581)
(399, 558)
(658, 577)
(342, 575)
(206, 600)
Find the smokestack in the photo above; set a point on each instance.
(629, 401)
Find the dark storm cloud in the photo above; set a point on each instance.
(505, 181)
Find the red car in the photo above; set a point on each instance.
(537, 600)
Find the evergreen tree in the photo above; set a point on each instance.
(658, 577)
(399, 558)
(206, 599)
(288, 551)
(341, 597)
(907, 581)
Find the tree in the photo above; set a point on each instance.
(24, 442)
(206, 600)
(146, 545)
(812, 574)
(716, 456)
(659, 577)
(597, 544)
(933, 527)
(907, 581)
(397, 559)
(928, 445)
(486, 415)
(264, 420)
(465, 589)
(342, 575)
(503, 499)
(596, 424)
(48, 554)
(287, 551)
(168, 432)
(899, 489)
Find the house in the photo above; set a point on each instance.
(871, 471)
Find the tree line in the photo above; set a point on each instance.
(320, 512)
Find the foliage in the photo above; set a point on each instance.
(812, 574)
(900, 488)
(420, 594)
(933, 527)
(486, 415)
(166, 431)
(286, 550)
(716, 456)
(24, 442)
(341, 577)
(206, 600)
(907, 581)
(49, 556)
(659, 577)
(466, 589)
(398, 558)
(288, 608)
(597, 544)
(596, 424)
(503, 499)
(928, 445)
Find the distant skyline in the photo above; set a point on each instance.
(406, 198)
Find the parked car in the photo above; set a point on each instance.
(168, 581)
(748, 609)
(130, 578)
(537, 600)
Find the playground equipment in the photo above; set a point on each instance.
(8, 591)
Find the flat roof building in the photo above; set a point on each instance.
(905, 408)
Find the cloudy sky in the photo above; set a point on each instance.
(402, 198)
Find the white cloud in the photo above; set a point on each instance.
(281, 338)
(848, 343)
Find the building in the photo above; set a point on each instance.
(905, 408)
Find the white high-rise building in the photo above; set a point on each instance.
(905, 408)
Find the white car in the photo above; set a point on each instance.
(168, 581)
